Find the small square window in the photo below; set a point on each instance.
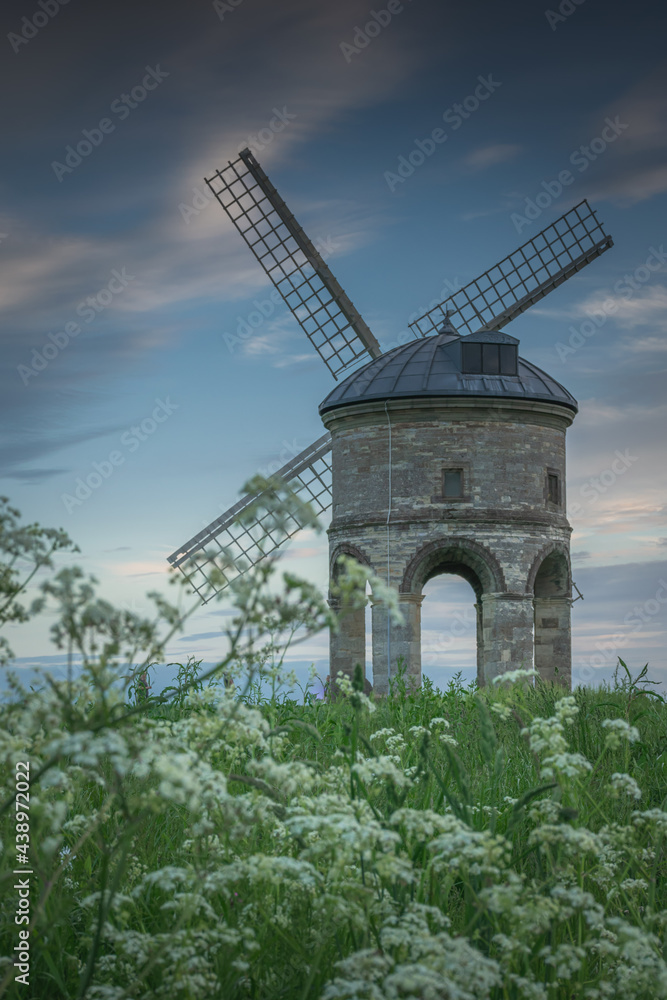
(553, 488)
(453, 483)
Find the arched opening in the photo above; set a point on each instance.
(552, 589)
(449, 629)
(477, 567)
(348, 645)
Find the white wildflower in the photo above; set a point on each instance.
(438, 721)
(565, 958)
(382, 733)
(634, 885)
(625, 784)
(357, 698)
(396, 743)
(446, 738)
(617, 731)
(652, 816)
(475, 851)
(570, 765)
(503, 711)
(381, 768)
(574, 840)
(512, 676)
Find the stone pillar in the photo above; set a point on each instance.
(480, 643)
(406, 640)
(404, 643)
(347, 647)
(508, 633)
(379, 618)
(553, 640)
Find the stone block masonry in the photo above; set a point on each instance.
(506, 532)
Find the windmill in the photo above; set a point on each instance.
(343, 340)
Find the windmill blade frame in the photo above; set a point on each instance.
(322, 308)
(308, 474)
(524, 277)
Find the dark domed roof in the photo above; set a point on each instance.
(432, 367)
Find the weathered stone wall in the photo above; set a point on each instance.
(496, 536)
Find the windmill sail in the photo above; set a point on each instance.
(523, 277)
(325, 313)
(243, 542)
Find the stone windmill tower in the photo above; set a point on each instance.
(443, 455)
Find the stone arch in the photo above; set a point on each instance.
(551, 574)
(347, 549)
(474, 562)
(550, 582)
(347, 647)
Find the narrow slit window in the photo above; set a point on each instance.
(453, 483)
(471, 358)
(490, 359)
(508, 359)
(553, 488)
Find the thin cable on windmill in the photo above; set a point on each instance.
(388, 577)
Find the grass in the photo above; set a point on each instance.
(441, 858)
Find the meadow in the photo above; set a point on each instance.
(217, 842)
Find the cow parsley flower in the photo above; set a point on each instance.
(512, 676)
(502, 711)
(617, 731)
(381, 734)
(358, 698)
(625, 784)
(446, 738)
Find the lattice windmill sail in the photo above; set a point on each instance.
(342, 338)
(326, 314)
(309, 475)
(524, 277)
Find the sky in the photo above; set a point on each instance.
(125, 292)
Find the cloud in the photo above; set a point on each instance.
(28, 446)
(489, 156)
(201, 635)
(34, 475)
(144, 567)
(114, 212)
(635, 170)
(648, 307)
